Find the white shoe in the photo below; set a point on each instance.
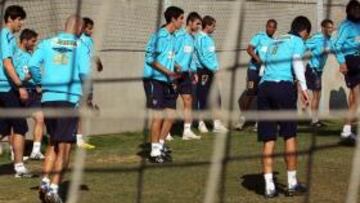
(240, 125)
(255, 127)
(349, 137)
(202, 128)
(52, 197)
(345, 135)
(190, 135)
(169, 137)
(37, 156)
(220, 128)
(23, 172)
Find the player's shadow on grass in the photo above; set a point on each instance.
(338, 99)
(145, 149)
(7, 169)
(326, 131)
(320, 132)
(256, 183)
(177, 128)
(64, 188)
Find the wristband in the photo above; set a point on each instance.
(19, 86)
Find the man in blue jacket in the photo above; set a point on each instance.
(319, 45)
(28, 39)
(65, 60)
(346, 46)
(86, 38)
(283, 59)
(185, 64)
(12, 89)
(159, 77)
(257, 47)
(207, 66)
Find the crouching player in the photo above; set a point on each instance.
(28, 39)
(284, 56)
(158, 76)
(66, 64)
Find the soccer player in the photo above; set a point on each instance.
(159, 74)
(86, 38)
(12, 90)
(184, 63)
(282, 59)
(207, 66)
(258, 45)
(65, 61)
(319, 46)
(28, 39)
(347, 46)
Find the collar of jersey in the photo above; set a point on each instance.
(67, 35)
(181, 31)
(163, 32)
(203, 33)
(295, 34)
(22, 51)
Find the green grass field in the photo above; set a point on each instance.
(111, 174)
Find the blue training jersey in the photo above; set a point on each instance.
(260, 42)
(159, 48)
(184, 50)
(21, 61)
(279, 58)
(319, 45)
(205, 54)
(88, 41)
(66, 63)
(8, 48)
(347, 40)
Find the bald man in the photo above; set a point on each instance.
(66, 63)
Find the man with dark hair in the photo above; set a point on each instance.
(207, 66)
(208, 21)
(171, 13)
(28, 39)
(14, 12)
(319, 45)
(28, 36)
(282, 59)
(347, 46)
(184, 63)
(86, 38)
(88, 25)
(159, 76)
(258, 46)
(66, 63)
(12, 90)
